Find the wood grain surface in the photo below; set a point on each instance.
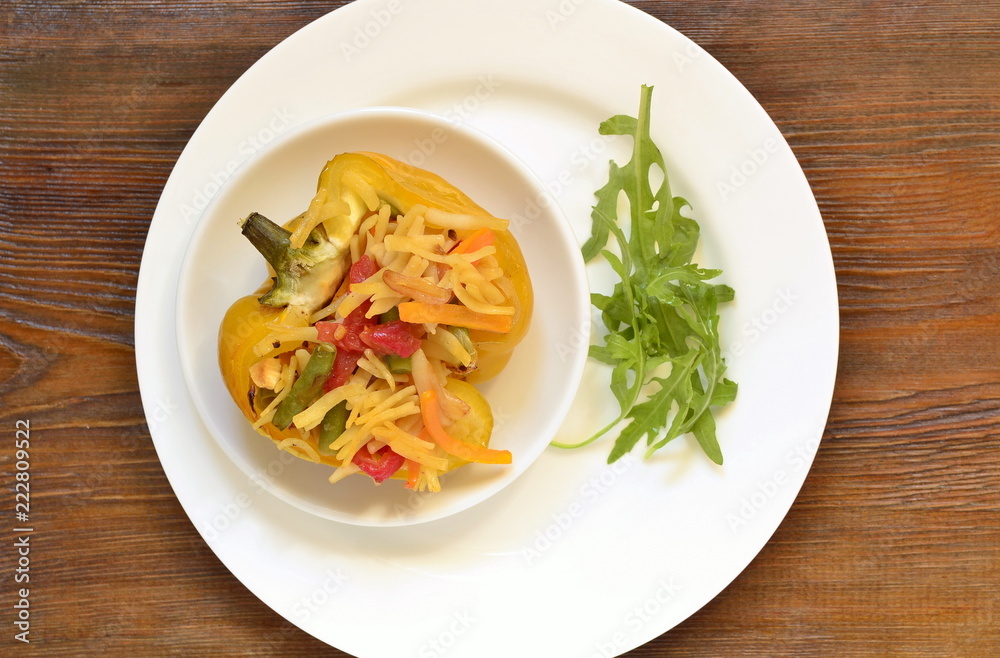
(893, 109)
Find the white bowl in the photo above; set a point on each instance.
(530, 398)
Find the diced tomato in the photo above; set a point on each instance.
(326, 331)
(344, 365)
(363, 269)
(349, 337)
(394, 337)
(380, 466)
(356, 324)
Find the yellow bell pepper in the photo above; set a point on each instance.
(310, 256)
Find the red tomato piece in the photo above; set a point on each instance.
(326, 331)
(344, 365)
(363, 269)
(380, 466)
(394, 337)
(346, 335)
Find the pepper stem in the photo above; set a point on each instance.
(272, 241)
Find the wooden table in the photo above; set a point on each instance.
(893, 109)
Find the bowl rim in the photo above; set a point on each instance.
(575, 280)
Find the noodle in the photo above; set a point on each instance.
(303, 446)
(366, 408)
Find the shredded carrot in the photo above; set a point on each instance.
(451, 445)
(479, 239)
(455, 316)
(412, 474)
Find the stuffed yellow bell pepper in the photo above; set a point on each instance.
(390, 296)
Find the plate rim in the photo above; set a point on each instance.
(143, 360)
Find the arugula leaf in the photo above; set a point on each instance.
(662, 312)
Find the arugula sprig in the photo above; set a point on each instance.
(662, 311)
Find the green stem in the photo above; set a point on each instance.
(272, 241)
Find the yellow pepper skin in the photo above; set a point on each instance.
(410, 186)
(241, 329)
(494, 350)
(475, 427)
(403, 187)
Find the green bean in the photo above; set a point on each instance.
(308, 387)
(399, 365)
(333, 425)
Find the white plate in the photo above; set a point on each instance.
(530, 397)
(575, 558)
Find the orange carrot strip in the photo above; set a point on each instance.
(451, 445)
(455, 316)
(479, 239)
(412, 474)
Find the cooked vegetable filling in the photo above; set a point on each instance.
(386, 294)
